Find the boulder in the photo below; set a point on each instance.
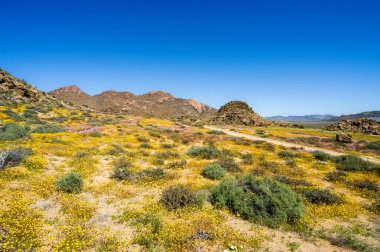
(344, 138)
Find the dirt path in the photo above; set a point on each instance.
(287, 144)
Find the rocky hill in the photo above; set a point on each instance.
(239, 113)
(374, 115)
(15, 91)
(155, 104)
(358, 125)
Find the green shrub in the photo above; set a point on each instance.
(375, 206)
(178, 197)
(14, 131)
(176, 164)
(48, 128)
(228, 164)
(96, 134)
(116, 149)
(247, 159)
(292, 182)
(335, 176)
(216, 132)
(70, 183)
(146, 146)
(317, 196)
(372, 146)
(152, 174)
(122, 170)
(167, 154)
(205, 152)
(287, 154)
(213, 171)
(11, 158)
(365, 184)
(322, 156)
(260, 132)
(167, 146)
(260, 200)
(142, 139)
(355, 163)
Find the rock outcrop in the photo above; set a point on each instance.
(359, 125)
(239, 113)
(343, 138)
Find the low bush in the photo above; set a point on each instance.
(287, 154)
(10, 158)
(34, 163)
(179, 196)
(95, 134)
(70, 183)
(146, 146)
(335, 176)
(260, 200)
(216, 132)
(317, 196)
(122, 169)
(152, 174)
(365, 184)
(213, 171)
(116, 149)
(14, 131)
(228, 164)
(205, 152)
(322, 156)
(176, 164)
(167, 146)
(247, 159)
(48, 128)
(167, 154)
(292, 182)
(355, 163)
(142, 139)
(371, 146)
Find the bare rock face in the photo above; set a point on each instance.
(152, 104)
(344, 138)
(358, 125)
(239, 113)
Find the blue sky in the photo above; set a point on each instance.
(282, 57)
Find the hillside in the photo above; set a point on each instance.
(305, 118)
(153, 104)
(374, 115)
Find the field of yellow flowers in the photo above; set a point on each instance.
(123, 165)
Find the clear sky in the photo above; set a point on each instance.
(283, 57)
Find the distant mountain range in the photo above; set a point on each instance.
(305, 118)
(374, 115)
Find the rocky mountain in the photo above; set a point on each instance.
(14, 90)
(155, 104)
(357, 125)
(305, 118)
(239, 113)
(374, 115)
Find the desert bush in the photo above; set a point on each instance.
(205, 152)
(213, 171)
(258, 172)
(70, 183)
(260, 132)
(146, 146)
(155, 133)
(260, 200)
(152, 174)
(228, 164)
(365, 184)
(268, 147)
(355, 163)
(176, 164)
(179, 196)
(14, 157)
(142, 139)
(167, 155)
(317, 196)
(247, 159)
(292, 182)
(335, 176)
(95, 134)
(322, 156)
(216, 132)
(375, 206)
(158, 161)
(116, 149)
(287, 154)
(14, 131)
(371, 146)
(167, 146)
(122, 169)
(239, 141)
(48, 128)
